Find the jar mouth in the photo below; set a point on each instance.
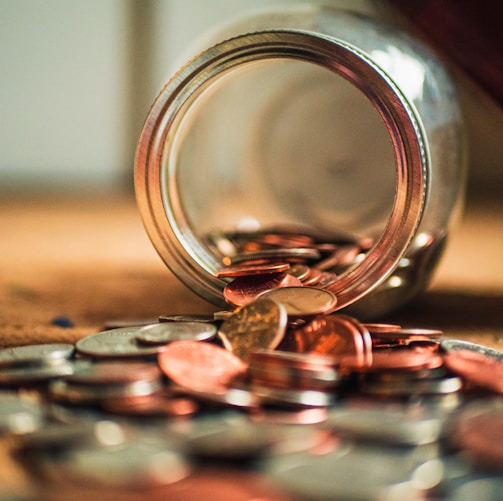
(157, 168)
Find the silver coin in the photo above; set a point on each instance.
(63, 391)
(269, 395)
(18, 415)
(190, 317)
(448, 345)
(35, 374)
(481, 489)
(116, 343)
(302, 301)
(440, 386)
(166, 332)
(35, 354)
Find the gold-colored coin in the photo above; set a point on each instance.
(258, 325)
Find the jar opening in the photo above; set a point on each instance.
(282, 131)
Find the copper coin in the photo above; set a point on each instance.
(337, 335)
(244, 290)
(151, 405)
(299, 270)
(281, 253)
(313, 278)
(252, 269)
(301, 301)
(479, 369)
(200, 366)
(400, 359)
(378, 328)
(258, 325)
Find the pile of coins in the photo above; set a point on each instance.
(279, 397)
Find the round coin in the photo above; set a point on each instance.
(167, 332)
(252, 269)
(200, 366)
(258, 325)
(116, 343)
(244, 290)
(37, 354)
(18, 415)
(302, 301)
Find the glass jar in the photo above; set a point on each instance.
(314, 119)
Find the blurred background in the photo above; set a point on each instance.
(78, 77)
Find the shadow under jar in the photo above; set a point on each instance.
(307, 121)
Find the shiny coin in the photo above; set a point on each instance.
(339, 336)
(400, 359)
(281, 397)
(200, 366)
(452, 345)
(18, 415)
(167, 332)
(258, 325)
(403, 334)
(302, 301)
(256, 269)
(243, 290)
(116, 343)
(35, 354)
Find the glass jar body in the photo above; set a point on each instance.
(312, 118)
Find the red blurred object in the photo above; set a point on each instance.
(468, 32)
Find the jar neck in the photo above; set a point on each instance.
(157, 161)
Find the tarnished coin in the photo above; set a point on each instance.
(200, 366)
(167, 332)
(116, 343)
(258, 325)
(302, 301)
(36, 354)
(244, 290)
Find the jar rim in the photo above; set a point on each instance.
(160, 211)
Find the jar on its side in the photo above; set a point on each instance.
(311, 118)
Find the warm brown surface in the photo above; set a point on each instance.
(89, 259)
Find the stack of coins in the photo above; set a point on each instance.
(319, 406)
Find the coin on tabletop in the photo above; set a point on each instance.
(116, 343)
(200, 366)
(166, 332)
(258, 325)
(35, 354)
(303, 301)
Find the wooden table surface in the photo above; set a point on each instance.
(88, 260)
